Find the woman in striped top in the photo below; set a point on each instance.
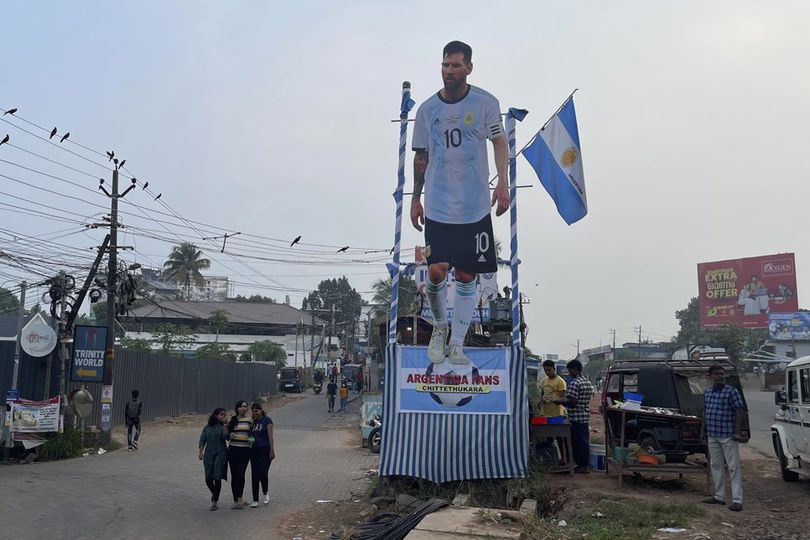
(239, 451)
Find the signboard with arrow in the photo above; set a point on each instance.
(87, 362)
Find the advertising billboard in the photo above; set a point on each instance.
(745, 291)
(89, 346)
(789, 326)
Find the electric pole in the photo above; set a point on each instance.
(16, 373)
(112, 274)
(639, 339)
(614, 338)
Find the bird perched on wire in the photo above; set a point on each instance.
(53, 132)
(110, 154)
(159, 195)
(146, 185)
(5, 139)
(343, 249)
(121, 165)
(10, 111)
(64, 137)
(297, 239)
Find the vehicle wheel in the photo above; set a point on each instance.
(648, 441)
(787, 474)
(375, 440)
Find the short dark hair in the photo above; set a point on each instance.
(239, 404)
(548, 363)
(458, 47)
(716, 367)
(574, 364)
(135, 394)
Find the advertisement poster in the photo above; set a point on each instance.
(486, 289)
(481, 387)
(35, 416)
(89, 346)
(37, 338)
(744, 292)
(789, 326)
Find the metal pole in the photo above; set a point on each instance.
(20, 320)
(112, 273)
(513, 259)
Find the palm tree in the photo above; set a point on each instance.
(184, 265)
(218, 319)
(407, 294)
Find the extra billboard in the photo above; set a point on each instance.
(789, 326)
(744, 292)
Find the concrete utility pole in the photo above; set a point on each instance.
(614, 338)
(639, 340)
(46, 391)
(16, 373)
(112, 285)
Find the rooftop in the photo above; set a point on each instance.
(237, 312)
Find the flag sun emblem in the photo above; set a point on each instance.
(569, 157)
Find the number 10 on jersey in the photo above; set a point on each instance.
(452, 137)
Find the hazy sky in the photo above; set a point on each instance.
(273, 119)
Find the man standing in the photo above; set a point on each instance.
(449, 139)
(132, 417)
(577, 401)
(551, 388)
(331, 392)
(724, 427)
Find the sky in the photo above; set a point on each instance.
(273, 120)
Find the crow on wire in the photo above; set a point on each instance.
(343, 249)
(146, 185)
(5, 139)
(53, 132)
(110, 154)
(65, 136)
(159, 195)
(297, 239)
(10, 111)
(121, 165)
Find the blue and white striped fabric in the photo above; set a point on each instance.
(556, 158)
(448, 447)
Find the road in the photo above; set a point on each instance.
(761, 411)
(158, 491)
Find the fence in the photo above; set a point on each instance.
(169, 386)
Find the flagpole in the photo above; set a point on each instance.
(405, 106)
(511, 117)
(525, 146)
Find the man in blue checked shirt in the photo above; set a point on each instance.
(724, 428)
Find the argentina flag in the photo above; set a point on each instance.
(556, 158)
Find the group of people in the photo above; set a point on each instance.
(560, 399)
(247, 438)
(331, 393)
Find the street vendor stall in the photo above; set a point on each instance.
(540, 430)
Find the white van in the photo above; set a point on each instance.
(791, 430)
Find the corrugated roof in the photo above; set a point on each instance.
(8, 325)
(238, 312)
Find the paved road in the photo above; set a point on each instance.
(761, 411)
(158, 491)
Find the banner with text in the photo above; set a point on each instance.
(35, 416)
(744, 291)
(789, 326)
(481, 387)
(89, 345)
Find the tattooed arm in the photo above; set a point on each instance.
(420, 161)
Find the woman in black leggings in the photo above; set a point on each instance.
(214, 454)
(261, 453)
(239, 451)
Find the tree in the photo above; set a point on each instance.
(255, 298)
(408, 297)
(346, 301)
(172, 338)
(216, 351)
(136, 344)
(184, 266)
(268, 351)
(9, 303)
(219, 319)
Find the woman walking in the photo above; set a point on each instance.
(239, 451)
(261, 453)
(344, 397)
(214, 453)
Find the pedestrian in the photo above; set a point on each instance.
(239, 451)
(214, 453)
(577, 401)
(262, 453)
(724, 428)
(132, 417)
(451, 164)
(360, 386)
(344, 396)
(551, 388)
(331, 392)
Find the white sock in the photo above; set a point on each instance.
(463, 308)
(437, 299)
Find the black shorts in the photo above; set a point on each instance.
(467, 246)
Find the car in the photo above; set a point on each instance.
(791, 429)
(291, 379)
(675, 385)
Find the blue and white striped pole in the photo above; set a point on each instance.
(405, 107)
(512, 115)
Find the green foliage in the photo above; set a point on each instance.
(9, 303)
(184, 265)
(219, 320)
(268, 351)
(338, 293)
(408, 296)
(172, 338)
(135, 344)
(216, 351)
(255, 298)
(62, 446)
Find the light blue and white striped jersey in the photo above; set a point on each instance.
(455, 135)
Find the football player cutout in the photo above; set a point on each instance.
(450, 134)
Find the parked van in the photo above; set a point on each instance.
(791, 429)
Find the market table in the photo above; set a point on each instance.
(554, 431)
(675, 468)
